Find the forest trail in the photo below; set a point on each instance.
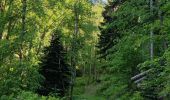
(84, 50)
(87, 91)
(91, 91)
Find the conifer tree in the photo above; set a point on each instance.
(109, 33)
(55, 69)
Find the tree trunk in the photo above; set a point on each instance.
(74, 45)
(151, 33)
(2, 15)
(23, 30)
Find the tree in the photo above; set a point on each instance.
(109, 32)
(55, 69)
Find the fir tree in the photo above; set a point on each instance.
(109, 33)
(55, 69)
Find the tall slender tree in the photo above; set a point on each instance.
(74, 45)
(151, 32)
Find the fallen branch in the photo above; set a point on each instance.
(139, 80)
(140, 75)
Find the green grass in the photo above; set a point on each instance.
(82, 91)
(88, 97)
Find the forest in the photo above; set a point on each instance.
(84, 50)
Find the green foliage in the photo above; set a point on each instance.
(27, 96)
(125, 46)
(26, 28)
(80, 85)
(55, 69)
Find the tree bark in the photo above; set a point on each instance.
(151, 33)
(2, 7)
(23, 28)
(134, 78)
(74, 44)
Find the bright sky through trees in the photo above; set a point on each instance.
(104, 0)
